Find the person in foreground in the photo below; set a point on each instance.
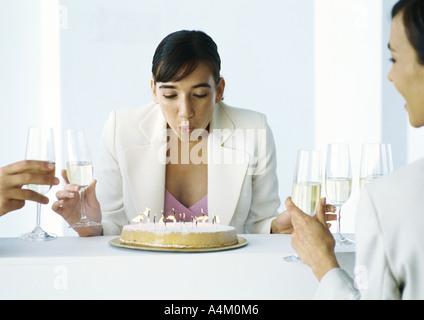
(14, 176)
(390, 218)
(187, 153)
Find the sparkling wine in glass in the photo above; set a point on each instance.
(338, 183)
(79, 168)
(40, 146)
(376, 161)
(306, 192)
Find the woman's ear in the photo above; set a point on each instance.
(154, 94)
(220, 90)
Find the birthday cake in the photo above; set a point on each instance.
(179, 235)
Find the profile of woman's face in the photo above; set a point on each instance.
(189, 104)
(406, 73)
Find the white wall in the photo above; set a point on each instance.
(315, 68)
(19, 93)
(30, 93)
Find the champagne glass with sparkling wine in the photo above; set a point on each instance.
(306, 192)
(376, 161)
(40, 146)
(79, 168)
(338, 183)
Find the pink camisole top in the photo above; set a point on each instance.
(194, 211)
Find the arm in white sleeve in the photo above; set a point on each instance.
(109, 185)
(337, 285)
(373, 278)
(265, 199)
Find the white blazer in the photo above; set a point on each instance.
(390, 241)
(242, 180)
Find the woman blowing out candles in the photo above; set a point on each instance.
(188, 152)
(390, 220)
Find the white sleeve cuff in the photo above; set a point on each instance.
(337, 285)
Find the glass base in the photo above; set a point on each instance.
(38, 234)
(294, 259)
(342, 240)
(84, 222)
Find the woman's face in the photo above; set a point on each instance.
(189, 103)
(406, 73)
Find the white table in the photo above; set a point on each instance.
(90, 268)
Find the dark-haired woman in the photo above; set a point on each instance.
(187, 155)
(390, 220)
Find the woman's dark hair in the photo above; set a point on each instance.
(413, 20)
(179, 53)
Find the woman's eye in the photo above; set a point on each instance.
(201, 95)
(169, 96)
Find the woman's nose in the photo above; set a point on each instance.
(186, 110)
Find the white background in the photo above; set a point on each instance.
(317, 69)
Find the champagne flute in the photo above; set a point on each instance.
(79, 168)
(40, 146)
(338, 183)
(376, 161)
(306, 192)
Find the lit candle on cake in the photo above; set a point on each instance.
(183, 221)
(204, 217)
(138, 219)
(147, 213)
(162, 220)
(217, 221)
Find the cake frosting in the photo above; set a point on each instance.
(179, 235)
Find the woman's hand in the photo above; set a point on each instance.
(283, 223)
(14, 176)
(312, 239)
(69, 206)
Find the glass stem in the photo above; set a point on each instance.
(339, 211)
(38, 219)
(82, 192)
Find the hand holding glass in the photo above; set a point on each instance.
(306, 192)
(79, 169)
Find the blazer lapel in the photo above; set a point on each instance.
(227, 168)
(146, 164)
